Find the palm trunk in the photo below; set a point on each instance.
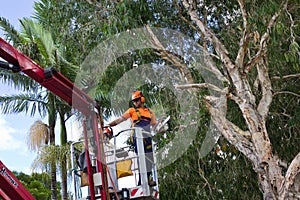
(63, 138)
(52, 122)
(53, 168)
(64, 179)
(53, 182)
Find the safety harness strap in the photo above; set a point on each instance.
(140, 117)
(147, 141)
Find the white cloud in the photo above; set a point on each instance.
(8, 141)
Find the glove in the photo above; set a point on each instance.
(108, 132)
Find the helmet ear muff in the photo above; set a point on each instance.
(142, 97)
(138, 95)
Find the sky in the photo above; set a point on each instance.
(14, 128)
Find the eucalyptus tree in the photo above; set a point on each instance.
(249, 68)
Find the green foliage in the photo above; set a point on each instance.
(48, 154)
(283, 126)
(226, 177)
(38, 184)
(28, 103)
(283, 59)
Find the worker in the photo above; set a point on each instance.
(143, 117)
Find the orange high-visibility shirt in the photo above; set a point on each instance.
(145, 114)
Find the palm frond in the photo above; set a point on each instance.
(19, 82)
(10, 33)
(51, 154)
(24, 103)
(65, 67)
(27, 30)
(46, 156)
(104, 100)
(64, 156)
(42, 38)
(39, 11)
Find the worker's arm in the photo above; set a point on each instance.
(117, 121)
(121, 119)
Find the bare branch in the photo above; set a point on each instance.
(229, 67)
(259, 55)
(215, 56)
(231, 132)
(202, 175)
(245, 37)
(293, 38)
(289, 178)
(233, 97)
(219, 47)
(286, 76)
(286, 92)
(200, 85)
(183, 18)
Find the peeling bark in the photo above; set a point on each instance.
(289, 179)
(267, 97)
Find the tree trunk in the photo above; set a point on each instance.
(64, 179)
(253, 143)
(52, 122)
(63, 137)
(53, 169)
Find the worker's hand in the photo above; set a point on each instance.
(108, 132)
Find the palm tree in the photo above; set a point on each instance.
(48, 155)
(38, 44)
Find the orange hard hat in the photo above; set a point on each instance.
(136, 95)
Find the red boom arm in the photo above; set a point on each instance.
(60, 86)
(49, 78)
(11, 188)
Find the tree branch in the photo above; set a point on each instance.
(170, 57)
(231, 132)
(230, 68)
(245, 37)
(293, 37)
(200, 85)
(266, 87)
(286, 92)
(289, 178)
(263, 42)
(219, 47)
(286, 76)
